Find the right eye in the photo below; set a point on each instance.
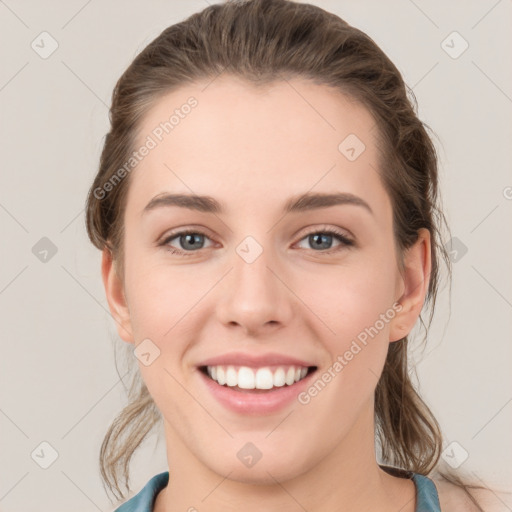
(190, 240)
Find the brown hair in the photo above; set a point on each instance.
(263, 41)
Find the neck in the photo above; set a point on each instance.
(348, 479)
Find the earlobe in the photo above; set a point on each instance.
(413, 286)
(114, 291)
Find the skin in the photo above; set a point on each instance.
(252, 150)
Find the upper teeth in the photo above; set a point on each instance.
(260, 378)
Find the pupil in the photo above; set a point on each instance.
(190, 237)
(321, 236)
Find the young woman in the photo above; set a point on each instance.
(267, 208)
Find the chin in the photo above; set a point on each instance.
(266, 471)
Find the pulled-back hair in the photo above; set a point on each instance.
(264, 41)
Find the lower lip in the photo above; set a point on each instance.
(256, 402)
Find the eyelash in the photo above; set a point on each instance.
(345, 242)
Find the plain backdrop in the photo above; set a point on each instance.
(59, 384)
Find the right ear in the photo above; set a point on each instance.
(115, 296)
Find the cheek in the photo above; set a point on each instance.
(358, 308)
(355, 306)
(162, 311)
(160, 298)
(349, 299)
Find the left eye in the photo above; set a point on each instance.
(189, 240)
(320, 239)
(192, 241)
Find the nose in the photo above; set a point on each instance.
(254, 296)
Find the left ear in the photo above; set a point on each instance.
(413, 286)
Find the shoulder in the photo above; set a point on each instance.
(453, 498)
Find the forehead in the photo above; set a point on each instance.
(225, 137)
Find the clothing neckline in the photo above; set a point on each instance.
(427, 499)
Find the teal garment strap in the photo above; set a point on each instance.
(145, 499)
(427, 499)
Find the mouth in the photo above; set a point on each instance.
(266, 379)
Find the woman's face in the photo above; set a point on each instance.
(261, 285)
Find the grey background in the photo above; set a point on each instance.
(58, 379)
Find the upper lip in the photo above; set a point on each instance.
(252, 360)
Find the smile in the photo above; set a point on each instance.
(255, 390)
(263, 378)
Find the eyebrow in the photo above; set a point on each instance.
(305, 202)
